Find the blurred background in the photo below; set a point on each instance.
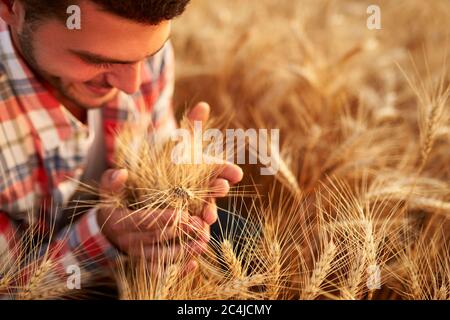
(364, 120)
(347, 98)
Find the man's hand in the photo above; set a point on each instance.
(147, 232)
(229, 173)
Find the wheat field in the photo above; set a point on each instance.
(364, 120)
(360, 206)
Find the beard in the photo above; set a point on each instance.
(74, 93)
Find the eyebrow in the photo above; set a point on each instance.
(99, 59)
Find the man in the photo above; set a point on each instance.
(63, 94)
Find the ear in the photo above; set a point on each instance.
(11, 12)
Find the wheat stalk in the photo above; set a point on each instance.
(322, 268)
(170, 278)
(232, 262)
(36, 279)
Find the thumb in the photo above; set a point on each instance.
(113, 180)
(199, 113)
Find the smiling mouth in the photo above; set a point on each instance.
(99, 90)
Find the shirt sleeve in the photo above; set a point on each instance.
(83, 244)
(7, 245)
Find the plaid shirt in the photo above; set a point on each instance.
(43, 148)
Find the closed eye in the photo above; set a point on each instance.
(99, 61)
(96, 63)
(102, 65)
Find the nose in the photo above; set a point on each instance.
(126, 77)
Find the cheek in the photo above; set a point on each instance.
(65, 66)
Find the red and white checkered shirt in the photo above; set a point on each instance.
(43, 148)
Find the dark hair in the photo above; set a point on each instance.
(144, 11)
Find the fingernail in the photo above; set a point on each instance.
(115, 175)
(197, 222)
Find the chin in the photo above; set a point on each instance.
(89, 102)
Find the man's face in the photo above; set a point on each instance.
(89, 66)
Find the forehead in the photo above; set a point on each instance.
(105, 34)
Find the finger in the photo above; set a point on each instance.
(158, 253)
(186, 268)
(205, 235)
(113, 180)
(112, 219)
(199, 237)
(210, 212)
(141, 221)
(190, 267)
(174, 252)
(231, 172)
(201, 231)
(136, 239)
(199, 113)
(219, 188)
(191, 227)
(226, 170)
(155, 218)
(197, 248)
